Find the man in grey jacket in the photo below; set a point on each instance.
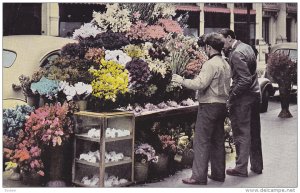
(244, 100)
(212, 83)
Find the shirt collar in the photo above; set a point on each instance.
(235, 41)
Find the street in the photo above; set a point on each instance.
(279, 143)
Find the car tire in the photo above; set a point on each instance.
(265, 101)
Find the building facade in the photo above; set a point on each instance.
(259, 24)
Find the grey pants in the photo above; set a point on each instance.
(209, 142)
(245, 122)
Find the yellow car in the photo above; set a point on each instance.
(24, 54)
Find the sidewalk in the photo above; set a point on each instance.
(279, 143)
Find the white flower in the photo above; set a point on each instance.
(118, 56)
(86, 30)
(115, 18)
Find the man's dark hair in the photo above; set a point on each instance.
(227, 32)
(215, 40)
(200, 41)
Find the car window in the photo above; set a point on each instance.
(49, 58)
(8, 58)
(283, 51)
(294, 55)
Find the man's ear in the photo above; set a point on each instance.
(230, 38)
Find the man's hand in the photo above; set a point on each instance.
(176, 78)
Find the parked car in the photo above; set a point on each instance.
(23, 54)
(267, 90)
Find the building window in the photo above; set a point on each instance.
(216, 21)
(242, 5)
(223, 5)
(265, 29)
(241, 28)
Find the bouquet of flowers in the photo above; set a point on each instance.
(49, 124)
(168, 144)
(139, 73)
(145, 153)
(79, 91)
(28, 158)
(45, 87)
(14, 120)
(86, 30)
(115, 18)
(110, 80)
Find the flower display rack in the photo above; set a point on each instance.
(85, 171)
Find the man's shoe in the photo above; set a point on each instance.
(216, 179)
(193, 182)
(256, 171)
(233, 172)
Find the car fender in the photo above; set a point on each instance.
(264, 84)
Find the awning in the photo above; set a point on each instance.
(243, 11)
(188, 8)
(216, 10)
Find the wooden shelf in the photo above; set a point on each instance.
(87, 163)
(118, 138)
(84, 136)
(83, 185)
(110, 164)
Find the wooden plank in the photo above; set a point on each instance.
(110, 164)
(84, 136)
(118, 138)
(83, 162)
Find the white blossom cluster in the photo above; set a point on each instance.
(94, 133)
(92, 157)
(110, 181)
(92, 181)
(113, 157)
(113, 133)
(86, 30)
(188, 102)
(158, 66)
(78, 90)
(118, 56)
(164, 10)
(115, 18)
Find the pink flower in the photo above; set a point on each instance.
(41, 173)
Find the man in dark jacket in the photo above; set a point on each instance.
(243, 104)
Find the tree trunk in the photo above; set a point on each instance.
(284, 91)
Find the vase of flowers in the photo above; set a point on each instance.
(77, 92)
(144, 154)
(50, 126)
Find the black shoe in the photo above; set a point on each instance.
(193, 182)
(216, 179)
(233, 172)
(256, 171)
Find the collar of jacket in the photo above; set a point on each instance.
(236, 44)
(216, 54)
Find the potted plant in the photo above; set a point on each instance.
(283, 70)
(168, 151)
(50, 126)
(31, 98)
(144, 154)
